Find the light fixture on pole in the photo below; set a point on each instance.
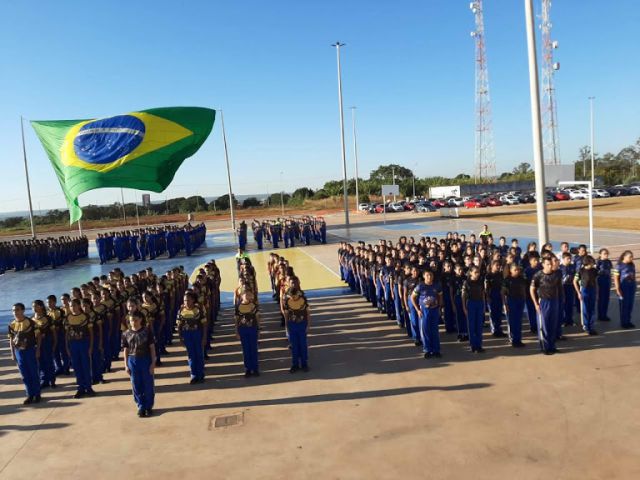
(593, 178)
(337, 45)
(281, 195)
(355, 154)
(534, 89)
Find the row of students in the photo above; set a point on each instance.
(289, 231)
(418, 283)
(86, 332)
(150, 242)
(35, 254)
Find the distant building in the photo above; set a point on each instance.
(146, 199)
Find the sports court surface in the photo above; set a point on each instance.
(371, 406)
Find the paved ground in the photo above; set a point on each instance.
(371, 407)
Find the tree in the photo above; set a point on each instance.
(321, 194)
(302, 193)
(462, 176)
(251, 202)
(385, 173)
(275, 200)
(523, 169)
(222, 203)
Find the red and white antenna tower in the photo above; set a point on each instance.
(551, 147)
(485, 164)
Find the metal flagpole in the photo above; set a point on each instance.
(593, 178)
(355, 154)
(26, 174)
(344, 156)
(124, 214)
(137, 215)
(541, 206)
(226, 157)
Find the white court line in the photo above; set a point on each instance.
(317, 261)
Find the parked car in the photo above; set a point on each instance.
(395, 207)
(634, 190)
(526, 198)
(424, 206)
(475, 202)
(456, 202)
(493, 202)
(363, 207)
(560, 195)
(579, 194)
(439, 203)
(600, 193)
(509, 199)
(409, 206)
(618, 191)
(379, 208)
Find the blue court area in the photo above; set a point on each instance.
(26, 286)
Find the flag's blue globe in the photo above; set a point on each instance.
(108, 139)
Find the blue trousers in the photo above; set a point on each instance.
(532, 314)
(548, 323)
(429, 329)
(60, 356)
(475, 311)
(414, 322)
(588, 307)
(626, 304)
(461, 318)
(397, 305)
(298, 340)
(516, 309)
(379, 295)
(259, 241)
(388, 302)
(567, 307)
(285, 238)
(604, 287)
(47, 370)
(373, 294)
(115, 337)
(81, 362)
(28, 366)
(97, 359)
(141, 381)
(449, 316)
(495, 310)
(193, 341)
(249, 341)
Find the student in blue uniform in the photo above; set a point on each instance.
(585, 283)
(459, 279)
(545, 291)
(515, 289)
(604, 268)
(47, 344)
(297, 321)
(138, 343)
(568, 271)
(531, 267)
(247, 322)
(192, 327)
(79, 339)
(624, 277)
(24, 339)
(473, 297)
(493, 287)
(427, 299)
(60, 355)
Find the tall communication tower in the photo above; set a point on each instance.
(551, 148)
(485, 164)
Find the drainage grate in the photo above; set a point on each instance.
(226, 420)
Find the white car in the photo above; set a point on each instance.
(509, 199)
(456, 202)
(578, 195)
(634, 190)
(396, 207)
(363, 207)
(600, 193)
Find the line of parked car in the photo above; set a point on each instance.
(498, 199)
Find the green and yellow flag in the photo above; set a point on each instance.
(141, 150)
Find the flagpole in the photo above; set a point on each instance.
(26, 173)
(226, 157)
(124, 214)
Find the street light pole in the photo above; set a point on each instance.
(593, 183)
(337, 45)
(541, 206)
(355, 154)
(226, 158)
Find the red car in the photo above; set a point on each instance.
(558, 196)
(409, 206)
(475, 203)
(379, 208)
(439, 203)
(493, 202)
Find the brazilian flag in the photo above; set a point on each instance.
(141, 150)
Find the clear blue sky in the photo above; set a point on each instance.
(408, 67)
